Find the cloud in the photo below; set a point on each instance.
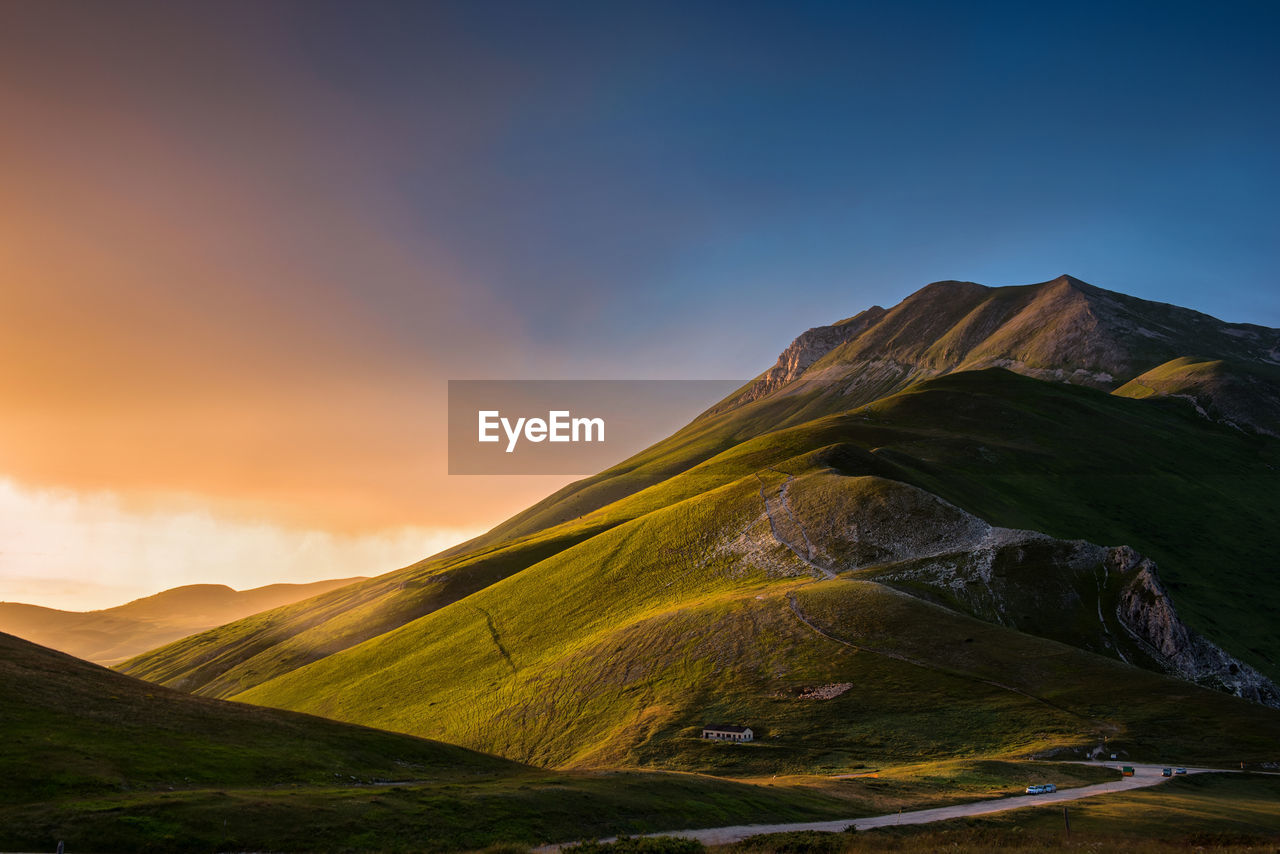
(86, 551)
(210, 287)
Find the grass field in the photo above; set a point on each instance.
(522, 809)
(104, 762)
(528, 808)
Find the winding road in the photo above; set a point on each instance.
(1144, 775)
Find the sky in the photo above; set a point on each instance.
(244, 246)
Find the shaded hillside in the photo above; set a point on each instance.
(111, 635)
(72, 727)
(105, 762)
(1241, 395)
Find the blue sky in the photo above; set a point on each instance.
(735, 172)
(713, 177)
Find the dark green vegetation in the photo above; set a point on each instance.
(75, 729)
(1239, 393)
(104, 762)
(527, 809)
(605, 625)
(640, 845)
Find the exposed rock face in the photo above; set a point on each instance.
(1108, 600)
(808, 348)
(1147, 612)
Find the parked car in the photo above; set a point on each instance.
(1179, 771)
(1168, 772)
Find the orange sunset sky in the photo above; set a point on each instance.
(245, 245)
(225, 331)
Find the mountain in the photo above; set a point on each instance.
(114, 634)
(949, 527)
(1240, 394)
(1064, 329)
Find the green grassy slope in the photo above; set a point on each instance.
(1196, 497)
(239, 655)
(108, 763)
(230, 658)
(617, 650)
(514, 812)
(1073, 462)
(1020, 454)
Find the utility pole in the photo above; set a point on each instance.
(1066, 819)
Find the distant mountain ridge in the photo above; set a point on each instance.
(1063, 329)
(112, 635)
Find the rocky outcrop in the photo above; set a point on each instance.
(808, 348)
(1147, 612)
(1107, 600)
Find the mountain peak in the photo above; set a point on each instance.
(1068, 282)
(1063, 329)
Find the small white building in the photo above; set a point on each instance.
(727, 732)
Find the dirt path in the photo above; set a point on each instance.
(805, 557)
(1145, 775)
